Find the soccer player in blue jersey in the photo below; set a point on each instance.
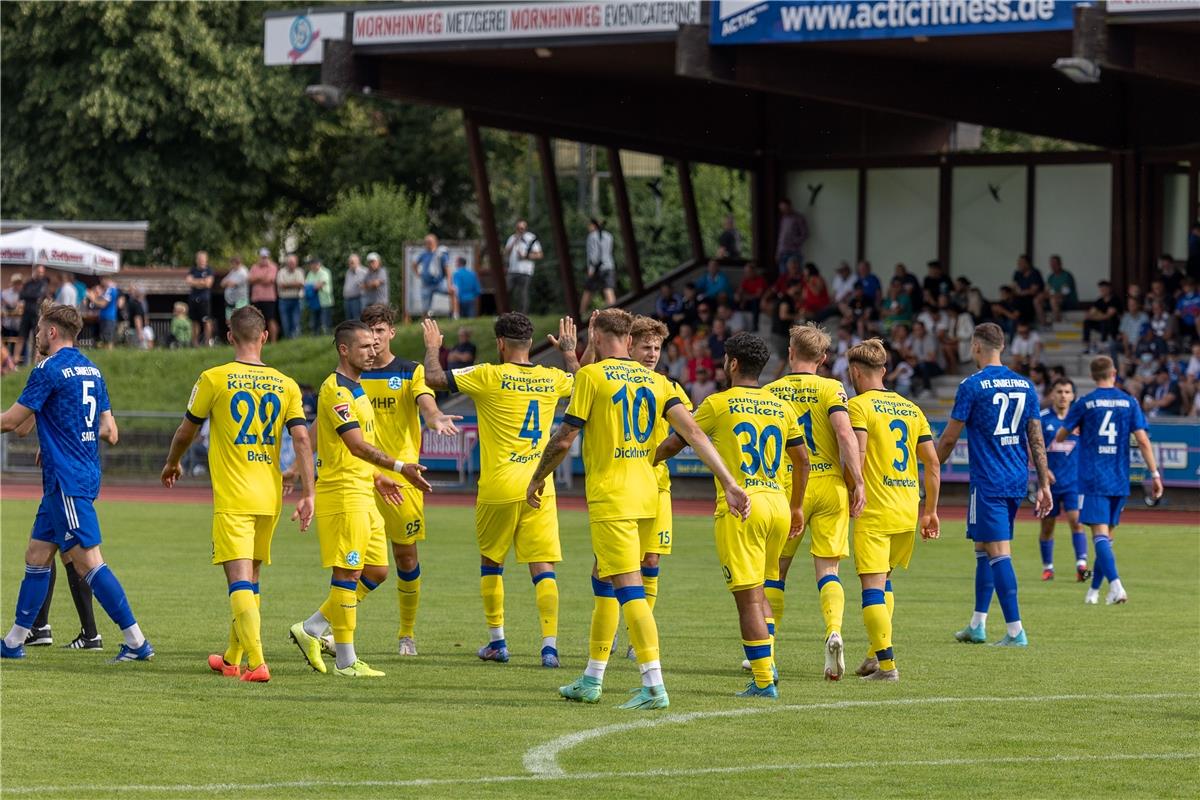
(1105, 419)
(67, 396)
(999, 409)
(1063, 459)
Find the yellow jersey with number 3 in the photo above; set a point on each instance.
(662, 429)
(751, 430)
(515, 405)
(894, 426)
(617, 402)
(345, 483)
(813, 400)
(393, 390)
(247, 407)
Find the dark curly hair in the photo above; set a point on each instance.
(751, 352)
(514, 326)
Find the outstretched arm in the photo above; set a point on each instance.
(556, 450)
(436, 419)
(361, 448)
(566, 342)
(949, 438)
(1143, 443)
(435, 376)
(669, 448)
(1037, 452)
(686, 427)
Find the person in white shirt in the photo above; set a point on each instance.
(521, 250)
(843, 283)
(67, 294)
(1026, 348)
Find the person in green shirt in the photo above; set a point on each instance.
(181, 326)
(897, 306)
(318, 296)
(1060, 289)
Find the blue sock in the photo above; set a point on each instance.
(107, 589)
(1006, 587)
(32, 594)
(1106, 562)
(984, 584)
(1079, 540)
(1047, 548)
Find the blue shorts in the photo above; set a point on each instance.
(66, 521)
(1067, 501)
(1101, 509)
(990, 519)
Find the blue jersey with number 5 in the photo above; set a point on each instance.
(1106, 418)
(68, 394)
(996, 405)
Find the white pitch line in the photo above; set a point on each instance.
(195, 788)
(543, 759)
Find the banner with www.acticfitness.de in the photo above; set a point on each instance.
(742, 22)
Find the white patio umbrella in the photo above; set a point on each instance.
(37, 245)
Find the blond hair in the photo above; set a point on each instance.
(65, 318)
(613, 321)
(809, 342)
(1102, 368)
(871, 354)
(647, 327)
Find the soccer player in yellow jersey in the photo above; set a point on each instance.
(892, 436)
(396, 388)
(515, 402)
(248, 404)
(618, 400)
(349, 527)
(835, 485)
(751, 429)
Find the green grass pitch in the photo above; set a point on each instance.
(1104, 703)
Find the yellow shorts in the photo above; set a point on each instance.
(877, 552)
(532, 531)
(658, 540)
(238, 536)
(352, 540)
(617, 544)
(405, 523)
(749, 549)
(826, 520)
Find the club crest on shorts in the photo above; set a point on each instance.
(343, 411)
(394, 383)
(353, 558)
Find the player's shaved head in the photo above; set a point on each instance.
(346, 333)
(751, 353)
(514, 327)
(247, 324)
(615, 322)
(647, 327)
(65, 319)
(870, 354)
(1102, 368)
(808, 342)
(990, 336)
(376, 313)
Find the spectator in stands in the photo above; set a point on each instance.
(1172, 278)
(67, 294)
(689, 306)
(897, 308)
(790, 277)
(859, 313)
(683, 341)
(871, 287)
(1006, 311)
(601, 268)
(716, 341)
(1133, 322)
(1162, 322)
(702, 386)
(945, 321)
(431, 267)
(200, 280)
(264, 295)
(105, 298)
(961, 292)
(290, 286)
(1029, 288)
(814, 296)
(750, 292)
(1060, 289)
(375, 288)
(236, 286)
(899, 378)
(467, 290)
(181, 327)
(676, 364)
(33, 291)
(1162, 397)
(1026, 348)
(521, 250)
(1188, 309)
(713, 284)
(704, 317)
(844, 281)
(352, 287)
(1041, 382)
(964, 329)
(912, 287)
(1158, 291)
(735, 322)
(136, 311)
(936, 282)
(730, 239)
(318, 296)
(10, 304)
(701, 360)
(793, 233)
(667, 307)
(925, 351)
(463, 353)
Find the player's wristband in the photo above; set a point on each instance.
(1155, 475)
(398, 466)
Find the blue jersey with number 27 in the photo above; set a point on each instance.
(996, 405)
(1106, 418)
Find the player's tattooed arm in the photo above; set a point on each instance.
(566, 341)
(556, 450)
(435, 376)
(361, 448)
(1037, 451)
(949, 438)
(669, 448)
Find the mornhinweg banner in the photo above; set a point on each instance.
(741, 22)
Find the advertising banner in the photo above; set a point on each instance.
(300, 39)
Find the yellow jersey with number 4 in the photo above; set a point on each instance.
(515, 405)
(393, 390)
(751, 429)
(345, 483)
(813, 400)
(247, 407)
(617, 402)
(894, 426)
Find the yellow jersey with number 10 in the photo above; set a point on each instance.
(894, 426)
(345, 483)
(393, 390)
(813, 400)
(617, 402)
(751, 430)
(515, 404)
(247, 407)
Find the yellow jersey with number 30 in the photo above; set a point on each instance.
(751, 430)
(813, 400)
(393, 390)
(247, 407)
(515, 404)
(617, 402)
(345, 483)
(894, 426)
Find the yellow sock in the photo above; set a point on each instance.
(408, 590)
(364, 588)
(650, 584)
(889, 599)
(247, 622)
(833, 603)
(233, 653)
(758, 653)
(770, 634)
(341, 609)
(879, 629)
(545, 589)
(643, 632)
(606, 614)
(491, 589)
(774, 592)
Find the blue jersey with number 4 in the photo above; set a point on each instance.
(68, 394)
(1061, 457)
(1106, 418)
(996, 405)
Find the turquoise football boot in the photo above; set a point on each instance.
(972, 635)
(583, 690)
(768, 692)
(1013, 641)
(648, 698)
